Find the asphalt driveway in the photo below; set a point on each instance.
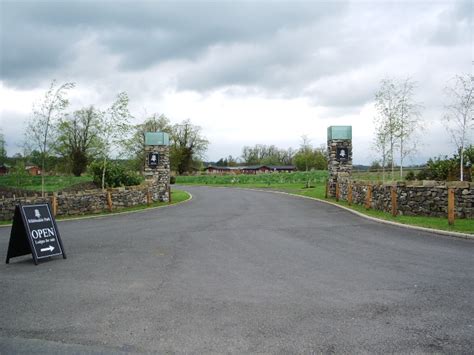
(241, 272)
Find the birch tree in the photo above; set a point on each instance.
(409, 120)
(113, 129)
(397, 121)
(459, 113)
(387, 121)
(42, 126)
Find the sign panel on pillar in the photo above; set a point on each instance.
(342, 154)
(34, 231)
(153, 159)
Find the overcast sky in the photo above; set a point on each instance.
(247, 72)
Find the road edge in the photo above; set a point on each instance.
(374, 219)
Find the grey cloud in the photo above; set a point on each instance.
(37, 35)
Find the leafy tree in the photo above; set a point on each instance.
(308, 158)
(188, 146)
(266, 155)
(78, 138)
(19, 172)
(459, 113)
(113, 128)
(3, 151)
(41, 127)
(136, 144)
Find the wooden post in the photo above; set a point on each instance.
(327, 189)
(451, 207)
(349, 194)
(393, 192)
(337, 191)
(368, 197)
(148, 197)
(54, 204)
(169, 194)
(109, 200)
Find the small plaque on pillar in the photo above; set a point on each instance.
(153, 159)
(342, 154)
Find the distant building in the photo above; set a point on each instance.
(4, 169)
(33, 170)
(253, 169)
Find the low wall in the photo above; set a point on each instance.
(89, 201)
(426, 198)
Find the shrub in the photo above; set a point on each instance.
(115, 175)
(410, 176)
(173, 180)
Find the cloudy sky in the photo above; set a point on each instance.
(247, 72)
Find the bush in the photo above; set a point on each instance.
(410, 176)
(115, 175)
(173, 180)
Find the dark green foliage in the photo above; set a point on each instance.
(410, 176)
(115, 175)
(173, 180)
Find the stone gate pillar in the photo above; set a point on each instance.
(157, 165)
(339, 155)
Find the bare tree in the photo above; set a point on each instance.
(459, 113)
(41, 127)
(409, 120)
(396, 123)
(387, 121)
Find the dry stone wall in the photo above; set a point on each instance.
(427, 198)
(90, 201)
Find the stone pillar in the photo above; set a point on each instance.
(339, 155)
(157, 165)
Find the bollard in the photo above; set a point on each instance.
(327, 189)
(337, 191)
(169, 194)
(148, 198)
(349, 194)
(368, 197)
(109, 200)
(54, 204)
(393, 193)
(451, 207)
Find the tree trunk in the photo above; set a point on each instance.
(103, 174)
(462, 164)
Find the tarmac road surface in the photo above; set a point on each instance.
(236, 271)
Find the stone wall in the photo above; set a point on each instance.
(90, 201)
(426, 198)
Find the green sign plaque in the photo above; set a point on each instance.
(157, 138)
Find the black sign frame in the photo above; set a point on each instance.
(21, 239)
(153, 164)
(338, 154)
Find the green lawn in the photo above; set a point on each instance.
(52, 183)
(269, 179)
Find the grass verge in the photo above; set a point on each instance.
(177, 196)
(318, 191)
(51, 183)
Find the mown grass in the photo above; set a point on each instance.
(269, 179)
(460, 225)
(177, 196)
(51, 183)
